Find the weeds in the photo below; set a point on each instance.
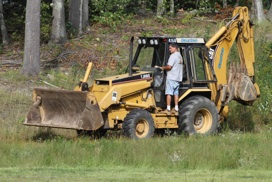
(188, 17)
(230, 151)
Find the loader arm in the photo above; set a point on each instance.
(234, 81)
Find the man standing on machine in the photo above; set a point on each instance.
(174, 70)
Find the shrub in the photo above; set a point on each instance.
(111, 13)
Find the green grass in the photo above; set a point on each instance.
(224, 151)
(225, 157)
(131, 174)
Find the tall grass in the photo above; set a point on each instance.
(225, 151)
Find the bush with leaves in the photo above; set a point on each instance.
(111, 12)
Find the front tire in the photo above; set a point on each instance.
(198, 115)
(138, 124)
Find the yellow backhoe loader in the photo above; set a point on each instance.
(133, 102)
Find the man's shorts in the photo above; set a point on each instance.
(172, 87)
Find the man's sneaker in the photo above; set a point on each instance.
(167, 112)
(175, 112)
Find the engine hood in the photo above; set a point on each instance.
(124, 78)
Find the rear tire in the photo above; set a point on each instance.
(198, 115)
(138, 124)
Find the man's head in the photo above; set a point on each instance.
(173, 48)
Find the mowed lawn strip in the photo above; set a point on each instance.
(130, 174)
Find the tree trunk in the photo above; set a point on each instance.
(76, 14)
(142, 9)
(269, 13)
(225, 3)
(31, 64)
(5, 39)
(258, 11)
(85, 14)
(172, 7)
(58, 34)
(160, 8)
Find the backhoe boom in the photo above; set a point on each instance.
(235, 81)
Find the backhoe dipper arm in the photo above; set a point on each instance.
(240, 84)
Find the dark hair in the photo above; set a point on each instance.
(174, 45)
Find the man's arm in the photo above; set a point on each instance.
(168, 67)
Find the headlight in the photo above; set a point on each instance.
(144, 41)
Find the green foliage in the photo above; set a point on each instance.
(188, 17)
(263, 67)
(207, 33)
(112, 20)
(241, 118)
(147, 33)
(203, 4)
(70, 31)
(163, 21)
(14, 14)
(46, 20)
(125, 37)
(102, 6)
(172, 31)
(54, 49)
(111, 13)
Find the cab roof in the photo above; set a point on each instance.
(179, 40)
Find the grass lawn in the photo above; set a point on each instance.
(130, 174)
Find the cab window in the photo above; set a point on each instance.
(151, 56)
(198, 70)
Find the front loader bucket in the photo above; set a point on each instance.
(64, 109)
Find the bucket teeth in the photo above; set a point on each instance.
(240, 86)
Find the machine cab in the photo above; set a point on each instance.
(154, 51)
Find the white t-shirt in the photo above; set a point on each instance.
(175, 60)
